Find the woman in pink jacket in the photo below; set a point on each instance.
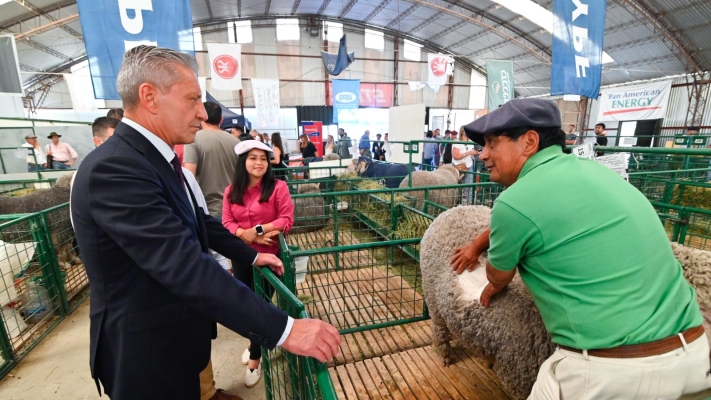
(256, 207)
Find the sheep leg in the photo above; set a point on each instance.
(441, 338)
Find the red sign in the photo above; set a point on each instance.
(314, 130)
(371, 94)
(225, 66)
(438, 66)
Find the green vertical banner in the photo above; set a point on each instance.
(500, 78)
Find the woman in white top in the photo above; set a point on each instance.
(462, 154)
(330, 146)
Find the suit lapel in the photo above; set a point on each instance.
(142, 145)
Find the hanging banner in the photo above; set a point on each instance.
(225, 66)
(634, 103)
(500, 78)
(111, 27)
(314, 130)
(337, 63)
(578, 30)
(346, 95)
(438, 67)
(266, 101)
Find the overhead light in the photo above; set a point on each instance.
(5, 1)
(538, 15)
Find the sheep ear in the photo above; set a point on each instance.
(355, 161)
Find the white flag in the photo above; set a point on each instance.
(225, 66)
(266, 101)
(438, 69)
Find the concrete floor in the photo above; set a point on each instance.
(58, 368)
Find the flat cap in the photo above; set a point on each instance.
(693, 128)
(518, 113)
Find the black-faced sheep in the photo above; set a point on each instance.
(59, 222)
(365, 167)
(510, 333)
(446, 175)
(310, 213)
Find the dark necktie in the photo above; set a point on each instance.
(178, 169)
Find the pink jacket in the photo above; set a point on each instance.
(279, 210)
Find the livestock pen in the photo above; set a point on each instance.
(42, 279)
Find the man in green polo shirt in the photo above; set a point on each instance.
(596, 259)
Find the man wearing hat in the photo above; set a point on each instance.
(609, 290)
(63, 155)
(36, 159)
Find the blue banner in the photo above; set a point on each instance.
(111, 27)
(578, 30)
(336, 63)
(346, 94)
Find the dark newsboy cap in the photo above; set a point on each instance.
(518, 113)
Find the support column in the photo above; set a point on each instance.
(699, 85)
(396, 67)
(583, 109)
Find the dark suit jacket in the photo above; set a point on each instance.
(155, 291)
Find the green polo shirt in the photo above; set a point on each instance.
(593, 253)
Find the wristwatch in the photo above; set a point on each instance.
(260, 230)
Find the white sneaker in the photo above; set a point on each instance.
(251, 378)
(245, 356)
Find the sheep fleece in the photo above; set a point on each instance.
(511, 331)
(446, 175)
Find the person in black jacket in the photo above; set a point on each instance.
(308, 150)
(601, 137)
(156, 292)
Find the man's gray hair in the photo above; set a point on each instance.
(149, 64)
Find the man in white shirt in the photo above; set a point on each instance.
(36, 160)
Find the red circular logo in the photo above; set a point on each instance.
(438, 65)
(225, 66)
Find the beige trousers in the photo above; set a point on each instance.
(207, 384)
(573, 376)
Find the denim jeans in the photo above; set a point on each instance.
(35, 167)
(60, 165)
(467, 191)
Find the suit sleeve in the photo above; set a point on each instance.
(133, 210)
(227, 244)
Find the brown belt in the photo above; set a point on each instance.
(655, 348)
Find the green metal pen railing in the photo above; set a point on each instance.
(286, 375)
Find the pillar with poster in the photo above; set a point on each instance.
(314, 130)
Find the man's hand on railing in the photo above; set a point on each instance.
(271, 261)
(313, 338)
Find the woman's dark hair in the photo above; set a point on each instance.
(429, 133)
(276, 142)
(240, 181)
(547, 137)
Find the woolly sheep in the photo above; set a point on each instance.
(313, 208)
(367, 168)
(510, 334)
(59, 222)
(445, 175)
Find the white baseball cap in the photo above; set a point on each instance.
(246, 145)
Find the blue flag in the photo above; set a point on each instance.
(578, 30)
(346, 95)
(337, 63)
(112, 27)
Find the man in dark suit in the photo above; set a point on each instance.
(155, 290)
